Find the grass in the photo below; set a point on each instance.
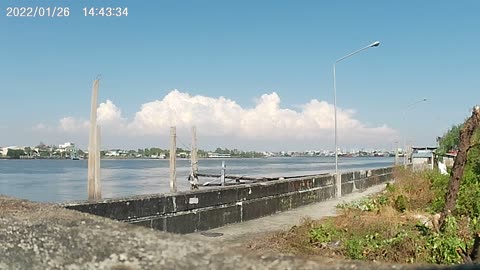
(394, 226)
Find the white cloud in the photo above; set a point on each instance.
(40, 126)
(70, 124)
(223, 117)
(108, 114)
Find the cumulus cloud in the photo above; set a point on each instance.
(182, 110)
(223, 117)
(71, 124)
(108, 114)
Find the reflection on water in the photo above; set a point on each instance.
(65, 180)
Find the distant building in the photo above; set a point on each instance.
(112, 153)
(268, 154)
(183, 155)
(160, 156)
(67, 145)
(116, 153)
(217, 155)
(65, 150)
(4, 150)
(449, 158)
(423, 158)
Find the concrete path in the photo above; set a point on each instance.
(238, 234)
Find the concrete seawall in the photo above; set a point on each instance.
(199, 210)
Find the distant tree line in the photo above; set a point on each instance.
(148, 152)
(44, 151)
(238, 153)
(15, 153)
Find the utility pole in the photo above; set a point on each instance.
(173, 159)
(222, 177)
(194, 160)
(93, 146)
(98, 190)
(396, 153)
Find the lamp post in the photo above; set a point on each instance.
(374, 44)
(409, 107)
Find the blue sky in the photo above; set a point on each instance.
(241, 50)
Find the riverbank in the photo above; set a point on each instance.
(400, 225)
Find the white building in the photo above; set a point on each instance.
(4, 150)
(217, 155)
(112, 153)
(67, 145)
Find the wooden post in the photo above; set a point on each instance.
(92, 142)
(432, 165)
(396, 153)
(222, 177)
(173, 157)
(409, 155)
(98, 189)
(194, 160)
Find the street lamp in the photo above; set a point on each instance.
(374, 44)
(409, 107)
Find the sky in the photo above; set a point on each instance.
(253, 75)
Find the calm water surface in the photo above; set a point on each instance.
(65, 180)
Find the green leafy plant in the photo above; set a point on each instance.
(443, 246)
(355, 248)
(401, 203)
(325, 233)
(366, 204)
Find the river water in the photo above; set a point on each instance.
(65, 180)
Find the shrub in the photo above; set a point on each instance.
(439, 184)
(443, 246)
(390, 227)
(401, 203)
(324, 234)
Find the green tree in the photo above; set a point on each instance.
(449, 141)
(132, 153)
(41, 145)
(28, 151)
(15, 153)
(202, 153)
(155, 151)
(467, 201)
(81, 153)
